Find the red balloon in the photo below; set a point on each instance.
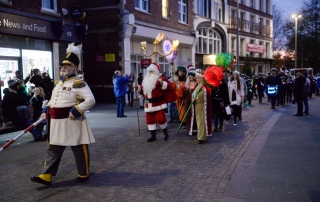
(213, 75)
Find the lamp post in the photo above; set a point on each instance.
(174, 46)
(295, 17)
(238, 46)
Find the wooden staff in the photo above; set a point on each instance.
(137, 107)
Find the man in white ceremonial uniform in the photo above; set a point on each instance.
(68, 126)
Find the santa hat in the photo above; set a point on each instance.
(73, 56)
(191, 68)
(154, 67)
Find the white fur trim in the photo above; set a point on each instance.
(164, 85)
(156, 108)
(163, 126)
(152, 126)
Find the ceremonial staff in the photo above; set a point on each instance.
(137, 105)
(188, 111)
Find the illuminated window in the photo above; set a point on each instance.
(49, 5)
(182, 9)
(165, 8)
(209, 41)
(142, 5)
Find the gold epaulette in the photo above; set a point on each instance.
(78, 83)
(56, 82)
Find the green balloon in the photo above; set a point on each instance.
(223, 59)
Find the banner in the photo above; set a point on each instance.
(255, 48)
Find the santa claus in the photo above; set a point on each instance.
(154, 88)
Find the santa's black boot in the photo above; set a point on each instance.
(153, 136)
(165, 133)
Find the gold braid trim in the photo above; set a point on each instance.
(77, 108)
(78, 83)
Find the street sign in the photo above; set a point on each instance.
(110, 57)
(75, 12)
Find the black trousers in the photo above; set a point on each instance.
(273, 99)
(299, 100)
(235, 112)
(54, 154)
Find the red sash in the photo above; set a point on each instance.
(56, 113)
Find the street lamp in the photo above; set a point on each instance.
(172, 47)
(295, 17)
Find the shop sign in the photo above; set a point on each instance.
(109, 57)
(19, 25)
(69, 34)
(255, 48)
(99, 58)
(75, 12)
(145, 63)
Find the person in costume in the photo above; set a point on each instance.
(220, 99)
(201, 110)
(153, 88)
(68, 125)
(236, 95)
(191, 84)
(179, 85)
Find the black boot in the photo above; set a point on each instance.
(153, 136)
(165, 133)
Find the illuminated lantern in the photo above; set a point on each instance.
(224, 60)
(213, 75)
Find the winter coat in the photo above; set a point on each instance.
(11, 100)
(37, 106)
(120, 85)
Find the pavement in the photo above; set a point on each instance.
(268, 156)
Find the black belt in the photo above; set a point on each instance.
(154, 100)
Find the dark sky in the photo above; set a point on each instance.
(289, 7)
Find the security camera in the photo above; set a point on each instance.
(64, 11)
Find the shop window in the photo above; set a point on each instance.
(164, 66)
(33, 59)
(142, 5)
(182, 9)
(11, 52)
(165, 8)
(135, 65)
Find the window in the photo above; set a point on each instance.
(165, 8)
(251, 24)
(209, 41)
(204, 8)
(267, 49)
(49, 5)
(267, 6)
(135, 65)
(260, 5)
(261, 44)
(251, 4)
(218, 10)
(164, 66)
(142, 5)
(182, 9)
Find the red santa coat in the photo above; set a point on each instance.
(156, 100)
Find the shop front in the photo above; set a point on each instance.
(27, 43)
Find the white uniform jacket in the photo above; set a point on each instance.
(66, 132)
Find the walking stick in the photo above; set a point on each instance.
(182, 103)
(21, 134)
(188, 111)
(137, 103)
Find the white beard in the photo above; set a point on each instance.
(149, 83)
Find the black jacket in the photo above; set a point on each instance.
(11, 100)
(220, 97)
(299, 86)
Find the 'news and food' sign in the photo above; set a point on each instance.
(255, 48)
(19, 25)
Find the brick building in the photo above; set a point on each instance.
(35, 34)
